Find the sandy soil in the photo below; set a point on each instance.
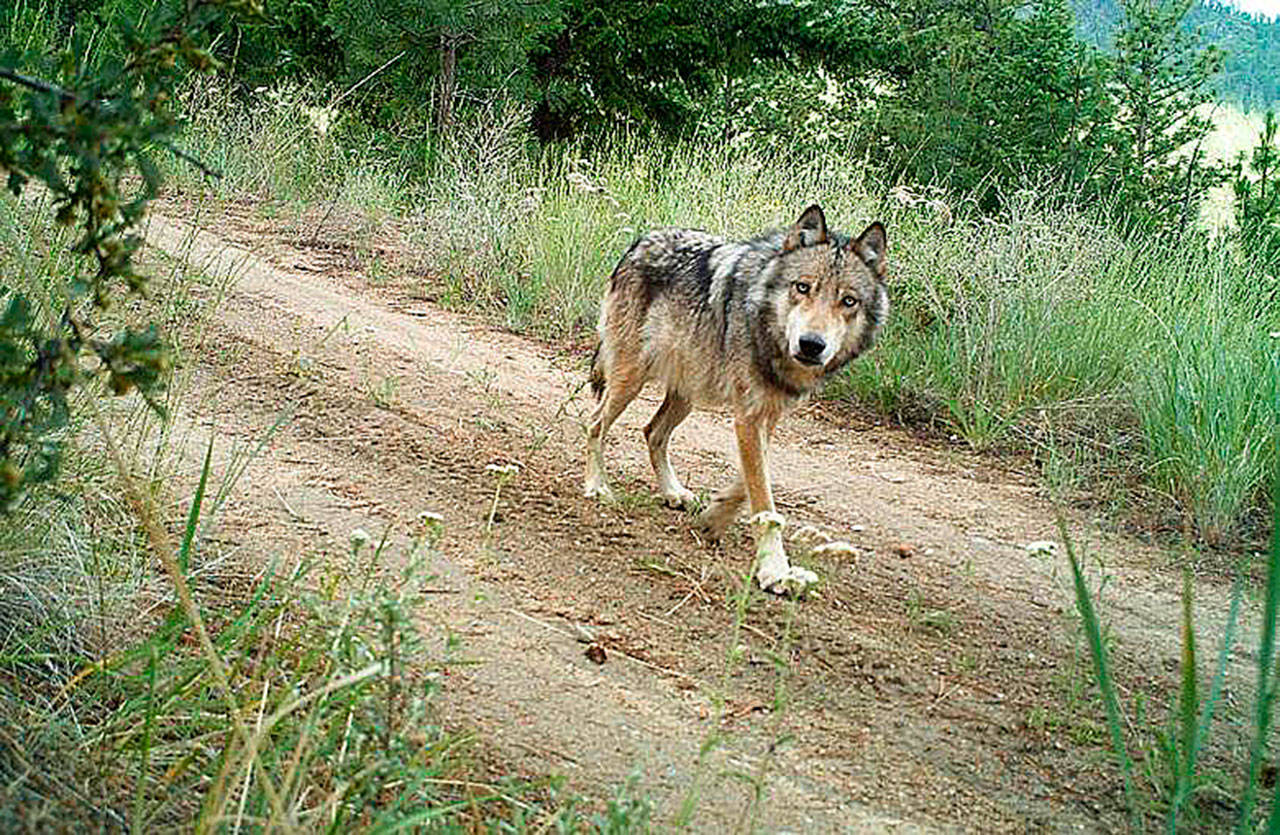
(936, 682)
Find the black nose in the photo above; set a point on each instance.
(812, 346)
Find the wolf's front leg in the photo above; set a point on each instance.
(774, 571)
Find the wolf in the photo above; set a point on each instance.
(754, 326)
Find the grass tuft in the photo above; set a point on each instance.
(1192, 713)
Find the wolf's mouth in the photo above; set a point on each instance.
(810, 361)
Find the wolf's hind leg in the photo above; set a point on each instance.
(620, 390)
(724, 507)
(673, 410)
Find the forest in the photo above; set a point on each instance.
(1248, 44)
(973, 96)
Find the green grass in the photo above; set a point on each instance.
(1175, 787)
(331, 676)
(1207, 402)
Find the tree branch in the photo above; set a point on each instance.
(36, 84)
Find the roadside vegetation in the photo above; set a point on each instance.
(1138, 367)
(1055, 294)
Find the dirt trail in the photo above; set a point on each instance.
(928, 687)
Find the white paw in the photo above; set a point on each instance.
(597, 489)
(681, 497)
(791, 579)
(774, 571)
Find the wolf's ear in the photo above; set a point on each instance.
(810, 229)
(872, 248)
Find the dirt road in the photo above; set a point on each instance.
(936, 682)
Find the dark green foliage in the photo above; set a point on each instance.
(984, 97)
(294, 39)
(1003, 93)
(633, 64)
(981, 96)
(1162, 77)
(1257, 206)
(36, 374)
(660, 65)
(431, 50)
(81, 137)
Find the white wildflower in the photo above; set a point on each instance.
(837, 548)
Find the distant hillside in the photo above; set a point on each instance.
(1251, 73)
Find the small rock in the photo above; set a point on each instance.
(596, 654)
(905, 550)
(1042, 547)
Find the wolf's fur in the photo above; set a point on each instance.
(754, 326)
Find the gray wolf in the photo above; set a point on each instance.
(752, 325)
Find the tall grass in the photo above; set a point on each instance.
(1175, 794)
(1207, 404)
(1154, 353)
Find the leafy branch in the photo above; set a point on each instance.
(88, 138)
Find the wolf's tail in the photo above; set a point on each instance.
(597, 373)
(598, 377)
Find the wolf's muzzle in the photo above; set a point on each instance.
(811, 348)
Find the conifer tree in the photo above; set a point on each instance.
(1257, 206)
(1161, 78)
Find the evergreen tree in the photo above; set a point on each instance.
(1161, 76)
(654, 65)
(433, 49)
(1257, 207)
(1004, 93)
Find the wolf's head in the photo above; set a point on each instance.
(831, 298)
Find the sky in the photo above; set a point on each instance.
(1267, 7)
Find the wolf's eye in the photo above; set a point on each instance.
(802, 287)
(849, 301)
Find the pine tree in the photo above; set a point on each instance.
(1160, 78)
(436, 49)
(1257, 206)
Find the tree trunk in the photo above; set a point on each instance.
(448, 82)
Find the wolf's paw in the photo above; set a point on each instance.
(597, 490)
(714, 521)
(681, 498)
(718, 516)
(791, 579)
